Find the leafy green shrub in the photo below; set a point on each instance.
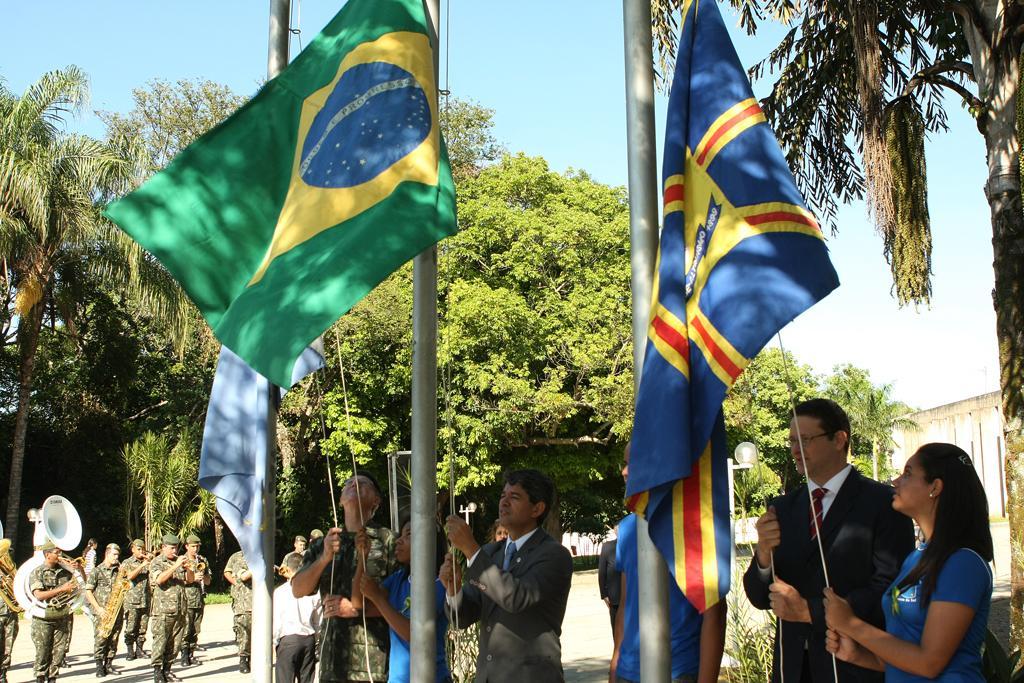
(997, 666)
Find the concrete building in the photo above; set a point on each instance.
(975, 425)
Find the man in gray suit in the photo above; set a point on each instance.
(516, 588)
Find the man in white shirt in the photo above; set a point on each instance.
(517, 588)
(295, 624)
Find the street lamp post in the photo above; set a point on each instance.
(467, 509)
(744, 457)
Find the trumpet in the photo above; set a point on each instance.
(283, 571)
(195, 567)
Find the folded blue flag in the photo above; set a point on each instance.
(232, 465)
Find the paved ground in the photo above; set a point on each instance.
(586, 638)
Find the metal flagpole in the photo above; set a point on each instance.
(655, 653)
(423, 640)
(262, 637)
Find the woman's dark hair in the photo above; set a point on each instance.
(961, 514)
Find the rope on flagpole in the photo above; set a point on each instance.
(359, 496)
(803, 460)
(334, 504)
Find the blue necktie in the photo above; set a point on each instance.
(510, 552)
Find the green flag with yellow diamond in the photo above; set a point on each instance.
(285, 215)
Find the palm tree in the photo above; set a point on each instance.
(873, 413)
(166, 479)
(52, 236)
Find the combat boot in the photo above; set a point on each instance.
(243, 664)
(130, 655)
(101, 669)
(158, 675)
(184, 655)
(139, 652)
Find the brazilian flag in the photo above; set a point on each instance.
(285, 215)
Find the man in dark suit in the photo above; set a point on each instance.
(864, 542)
(609, 578)
(517, 588)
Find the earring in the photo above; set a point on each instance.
(931, 495)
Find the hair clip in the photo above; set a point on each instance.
(965, 460)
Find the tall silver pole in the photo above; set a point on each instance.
(423, 642)
(262, 639)
(655, 652)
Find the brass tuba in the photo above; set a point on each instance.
(7, 572)
(115, 600)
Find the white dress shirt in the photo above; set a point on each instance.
(294, 616)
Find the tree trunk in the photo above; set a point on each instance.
(28, 343)
(998, 123)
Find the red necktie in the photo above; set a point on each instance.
(817, 495)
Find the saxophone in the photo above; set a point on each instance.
(112, 609)
(7, 572)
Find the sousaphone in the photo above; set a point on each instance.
(57, 521)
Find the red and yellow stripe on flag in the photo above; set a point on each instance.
(693, 530)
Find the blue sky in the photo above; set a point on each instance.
(553, 72)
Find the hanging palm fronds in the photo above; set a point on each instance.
(908, 245)
(877, 171)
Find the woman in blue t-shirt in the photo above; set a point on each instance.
(392, 600)
(936, 611)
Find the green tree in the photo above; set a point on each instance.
(873, 416)
(166, 118)
(535, 354)
(874, 75)
(468, 136)
(52, 236)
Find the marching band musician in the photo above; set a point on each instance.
(238, 575)
(50, 632)
(136, 602)
(97, 591)
(8, 632)
(195, 591)
(168, 575)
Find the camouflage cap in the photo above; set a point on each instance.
(300, 537)
(139, 542)
(47, 546)
(316, 533)
(170, 539)
(113, 546)
(192, 538)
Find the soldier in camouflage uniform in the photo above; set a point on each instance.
(195, 593)
(168, 576)
(97, 593)
(136, 603)
(8, 632)
(346, 644)
(50, 632)
(238, 575)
